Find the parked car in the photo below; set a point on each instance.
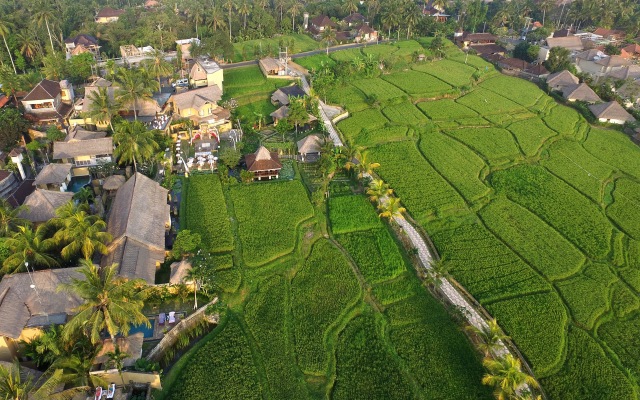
(181, 82)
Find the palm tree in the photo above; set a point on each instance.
(546, 5)
(116, 360)
(10, 218)
(491, 336)
(365, 166)
(28, 246)
(197, 276)
(506, 376)
(244, 9)
(391, 208)
(230, 6)
(83, 233)
(84, 195)
(390, 19)
(77, 369)
(437, 272)
(378, 190)
(350, 6)
(5, 27)
(295, 10)
(197, 14)
(134, 143)
(411, 18)
(158, 65)
(439, 4)
(132, 87)
(42, 17)
(16, 384)
(28, 44)
(217, 21)
(328, 36)
(110, 302)
(103, 106)
(44, 349)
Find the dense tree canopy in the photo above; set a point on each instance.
(12, 125)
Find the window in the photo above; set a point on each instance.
(83, 163)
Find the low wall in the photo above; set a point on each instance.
(340, 117)
(171, 337)
(146, 378)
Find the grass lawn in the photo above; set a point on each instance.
(250, 49)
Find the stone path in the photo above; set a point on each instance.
(446, 287)
(333, 134)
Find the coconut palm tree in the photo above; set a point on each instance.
(28, 246)
(116, 360)
(45, 348)
(77, 368)
(43, 16)
(378, 190)
(158, 65)
(328, 37)
(109, 302)
(5, 27)
(506, 376)
(217, 20)
(82, 233)
(295, 10)
(17, 384)
(391, 208)
(103, 106)
(28, 44)
(390, 19)
(10, 218)
(491, 336)
(412, 16)
(350, 6)
(244, 9)
(438, 271)
(230, 5)
(365, 166)
(134, 143)
(132, 88)
(196, 275)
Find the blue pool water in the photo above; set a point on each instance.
(77, 182)
(148, 332)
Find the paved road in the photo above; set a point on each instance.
(304, 54)
(333, 134)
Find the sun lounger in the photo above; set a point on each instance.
(172, 317)
(112, 391)
(161, 318)
(98, 393)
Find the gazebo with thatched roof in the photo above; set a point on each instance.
(113, 183)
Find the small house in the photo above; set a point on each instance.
(571, 43)
(272, 67)
(611, 35)
(611, 112)
(612, 63)
(365, 33)
(185, 46)
(25, 313)
(320, 23)
(108, 15)
(632, 50)
(41, 205)
(201, 106)
(138, 221)
(283, 112)
(84, 148)
(353, 20)
(54, 177)
(467, 39)
(50, 102)
(562, 79)
(580, 92)
(206, 72)
(282, 95)
(310, 148)
(82, 43)
(264, 164)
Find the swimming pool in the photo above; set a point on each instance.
(77, 183)
(148, 332)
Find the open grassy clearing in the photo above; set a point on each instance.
(418, 84)
(315, 62)
(446, 109)
(522, 92)
(379, 88)
(404, 113)
(486, 102)
(452, 72)
(296, 43)
(370, 119)
(494, 144)
(368, 138)
(531, 134)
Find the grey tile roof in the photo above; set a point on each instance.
(19, 302)
(197, 98)
(611, 110)
(45, 90)
(580, 92)
(562, 79)
(310, 144)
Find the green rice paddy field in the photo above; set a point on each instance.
(536, 210)
(319, 305)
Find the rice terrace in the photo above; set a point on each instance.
(534, 210)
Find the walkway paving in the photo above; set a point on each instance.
(333, 134)
(446, 287)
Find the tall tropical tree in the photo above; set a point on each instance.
(295, 10)
(16, 384)
(390, 19)
(378, 190)
(491, 336)
(116, 360)
(5, 27)
(391, 208)
(103, 106)
(158, 65)
(230, 5)
(28, 246)
(244, 9)
(217, 19)
(329, 37)
(77, 369)
(42, 17)
(350, 6)
(134, 143)
(365, 166)
(506, 376)
(196, 275)
(10, 218)
(412, 17)
(438, 271)
(28, 44)
(83, 233)
(109, 302)
(132, 88)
